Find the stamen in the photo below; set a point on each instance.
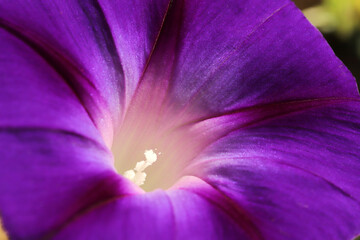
(137, 175)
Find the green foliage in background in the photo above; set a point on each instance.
(340, 16)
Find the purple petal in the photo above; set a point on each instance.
(176, 214)
(144, 216)
(215, 57)
(54, 161)
(275, 67)
(263, 160)
(135, 26)
(297, 174)
(75, 40)
(93, 45)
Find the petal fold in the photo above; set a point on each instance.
(248, 53)
(175, 214)
(103, 45)
(297, 174)
(54, 161)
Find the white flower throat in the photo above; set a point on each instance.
(137, 174)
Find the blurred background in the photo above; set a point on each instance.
(339, 21)
(2, 233)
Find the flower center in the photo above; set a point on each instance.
(169, 149)
(167, 133)
(160, 166)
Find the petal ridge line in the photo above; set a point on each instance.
(58, 62)
(262, 106)
(53, 130)
(150, 56)
(237, 213)
(265, 118)
(333, 185)
(224, 59)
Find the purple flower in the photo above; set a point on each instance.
(254, 121)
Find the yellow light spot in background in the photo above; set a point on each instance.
(340, 16)
(2, 233)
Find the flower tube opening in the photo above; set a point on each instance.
(153, 148)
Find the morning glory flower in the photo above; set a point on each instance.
(174, 120)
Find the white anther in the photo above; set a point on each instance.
(137, 175)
